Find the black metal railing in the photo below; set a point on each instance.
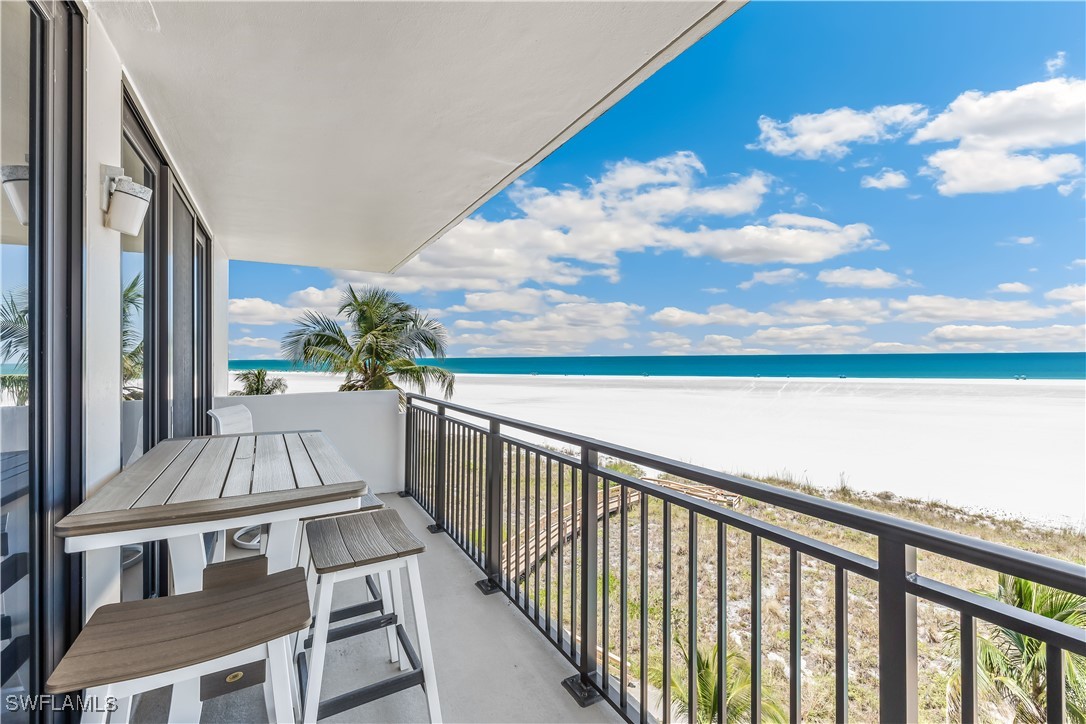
(585, 551)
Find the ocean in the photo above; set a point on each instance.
(970, 366)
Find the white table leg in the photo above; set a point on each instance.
(102, 576)
(282, 545)
(187, 559)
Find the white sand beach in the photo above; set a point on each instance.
(1003, 446)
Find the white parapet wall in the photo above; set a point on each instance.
(366, 427)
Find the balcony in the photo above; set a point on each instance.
(531, 511)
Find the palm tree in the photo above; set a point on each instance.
(1011, 666)
(737, 689)
(377, 346)
(257, 382)
(132, 340)
(15, 344)
(15, 341)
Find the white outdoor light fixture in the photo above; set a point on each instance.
(16, 181)
(124, 201)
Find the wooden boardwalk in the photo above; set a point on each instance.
(539, 542)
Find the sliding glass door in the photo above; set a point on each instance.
(41, 413)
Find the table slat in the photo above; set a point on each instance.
(272, 469)
(305, 475)
(125, 489)
(329, 463)
(205, 479)
(240, 478)
(164, 485)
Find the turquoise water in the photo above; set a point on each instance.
(974, 366)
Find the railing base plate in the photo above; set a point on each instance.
(584, 695)
(487, 586)
(404, 494)
(435, 528)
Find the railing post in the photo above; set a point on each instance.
(408, 448)
(897, 634)
(493, 514)
(441, 463)
(581, 686)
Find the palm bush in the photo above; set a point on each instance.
(737, 688)
(375, 347)
(257, 382)
(15, 345)
(1011, 666)
(132, 340)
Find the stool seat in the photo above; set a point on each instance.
(359, 539)
(136, 639)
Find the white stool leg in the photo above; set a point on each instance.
(387, 607)
(325, 584)
(419, 608)
(97, 695)
(311, 584)
(397, 606)
(185, 704)
(124, 711)
(279, 665)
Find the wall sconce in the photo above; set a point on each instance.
(16, 179)
(124, 201)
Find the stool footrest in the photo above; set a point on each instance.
(356, 629)
(372, 692)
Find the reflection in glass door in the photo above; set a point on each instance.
(19, 232)
(133, 333)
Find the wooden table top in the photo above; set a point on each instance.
(202, 479)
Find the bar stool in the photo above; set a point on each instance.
(130, 648)
(373, 544)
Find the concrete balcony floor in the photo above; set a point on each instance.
(492, 664)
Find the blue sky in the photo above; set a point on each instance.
(810, 177)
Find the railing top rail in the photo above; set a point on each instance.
(1045, 570)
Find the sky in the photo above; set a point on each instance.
(821, 177)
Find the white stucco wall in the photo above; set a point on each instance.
(366, 427)
(220, 299)
(102, 300)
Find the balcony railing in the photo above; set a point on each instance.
(541, 524)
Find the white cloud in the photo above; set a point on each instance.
(888, 178)
(830, 134)
(811, 338)
(940, 308)
(1000, 135)
(1056, 63)
(898, 348)
(257, 342)
(520, 301)
(1014, 288)
(670, 342)
(799, 312)
(862, 278)
(1078, 262)
(469, 324)
(560, 236)
(1024, 240)
(1069, 293)
(777, 276)
(977, 337)
(869, 311)
(259, 312)
(725, 314)
(567, 328)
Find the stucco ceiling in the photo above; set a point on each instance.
(350, 135)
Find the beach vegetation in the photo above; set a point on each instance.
(1011, 667)
(132, 339)
(257, 382)
(374, 341)
(737, 687)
